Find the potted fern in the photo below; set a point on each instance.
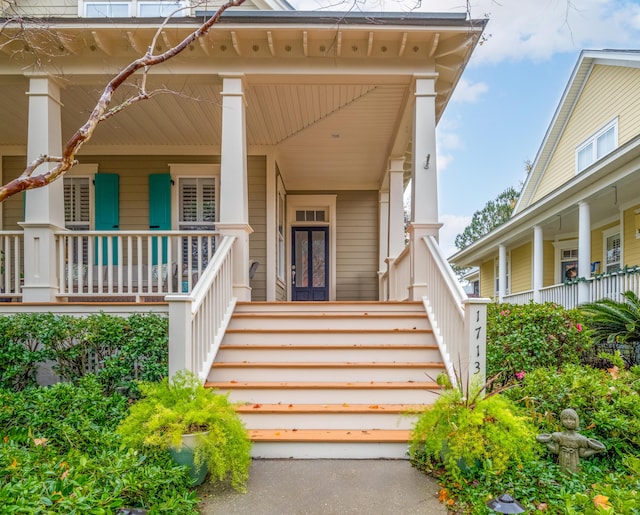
(198, 426)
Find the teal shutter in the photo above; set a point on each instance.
(107, 203)
(159, 211)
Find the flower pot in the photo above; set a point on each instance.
(185, 456)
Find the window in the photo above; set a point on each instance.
(497, 276)
(280, 235)
(134, 8)
(77, 207)
(160, 9)
(569, 264)
(197, 212)
(612, 251)
(106, 9)
(597, 146)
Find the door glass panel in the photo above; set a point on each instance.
(302, 259)
(318, 242)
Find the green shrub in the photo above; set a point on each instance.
(182, 405)
(523, 338)
(471, 436)
(608, 404)
(119, 350)
(22, 349)
(59, 454)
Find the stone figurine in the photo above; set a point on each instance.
(568, 444)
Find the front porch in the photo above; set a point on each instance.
(602, 286)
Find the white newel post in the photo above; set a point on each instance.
(584, 250)
(537, 262)
(383, 246)
(424, 178)
(396, 224)
(44, 209)
(475, 322)
(502, 272)
(234, 199)
(180, 334)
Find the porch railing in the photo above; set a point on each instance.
(399, 276)
(606, 286)
(131, 263)
(11, 264)
(563, 294)
(458, 322)
(523, 297)
(197, 321)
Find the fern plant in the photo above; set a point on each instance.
(471, 434)
(182, 405)
(615, 326)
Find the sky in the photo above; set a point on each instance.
(506, 98)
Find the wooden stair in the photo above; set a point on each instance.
(328, 380)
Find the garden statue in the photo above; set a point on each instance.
(568, 444)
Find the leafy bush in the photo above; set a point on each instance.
(608, 404)
(523, 338)
(59, 454)
(21, 351)
(182, 405)
(615, 327)
(119, 350)
(471, 436)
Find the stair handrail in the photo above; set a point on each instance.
(198, 321)
(458, 322)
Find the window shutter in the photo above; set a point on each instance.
(107, 202)
(159, 211)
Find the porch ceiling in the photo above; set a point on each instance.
(330, 102)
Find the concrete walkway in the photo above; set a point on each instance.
(310, 487)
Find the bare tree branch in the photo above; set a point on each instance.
(102, 110)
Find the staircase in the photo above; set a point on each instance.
(328, 380)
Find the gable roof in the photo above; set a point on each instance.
(586, 61)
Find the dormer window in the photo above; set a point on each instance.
(138, 8)
(597, 146)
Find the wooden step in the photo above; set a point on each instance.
(330, 435)
(331, 408)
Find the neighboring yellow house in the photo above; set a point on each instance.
(574, 235)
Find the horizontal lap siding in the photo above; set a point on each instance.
(13, 207)
(487, 280)
(257, 180)
(521, 268)
(548, 272)
(596, 107)
(631, 254)
(357, 245)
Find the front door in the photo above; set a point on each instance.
(310, 268)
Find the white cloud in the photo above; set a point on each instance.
(452, 226)
(468, 92)
(524, 29)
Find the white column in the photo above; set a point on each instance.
(502, 272)
(538, 258)
(396, 207)
(272, 228)
(383, 245)
(584, 250)
(44, 209)
(424, 176)
(424, 182)
(234, 199)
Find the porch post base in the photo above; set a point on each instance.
(40, 261)
(241, 262)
